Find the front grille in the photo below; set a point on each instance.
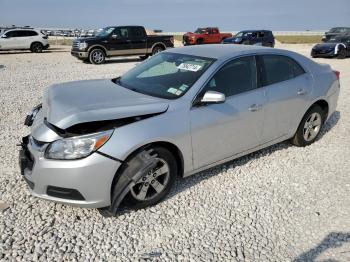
(75, 45)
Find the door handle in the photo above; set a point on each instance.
(301, 92)
(255, 107)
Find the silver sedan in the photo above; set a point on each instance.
(100, 143)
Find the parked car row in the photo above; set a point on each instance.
(212, 35)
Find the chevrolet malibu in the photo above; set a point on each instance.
(100, 143)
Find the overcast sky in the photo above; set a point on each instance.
(178, 15)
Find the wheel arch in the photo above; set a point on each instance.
(36, 42)
(324, 105)
(97, 47)
(160, 44)
(122, 182)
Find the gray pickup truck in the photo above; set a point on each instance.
(120, 41)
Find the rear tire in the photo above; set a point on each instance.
(36, 48)
(309, 127)
(199, 41)
(144, 57)
(155, 185)
(157, 49)
(97, 56)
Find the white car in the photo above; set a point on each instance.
(21, 39)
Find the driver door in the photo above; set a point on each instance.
(120, 42)
(223, 130)
(9, 40)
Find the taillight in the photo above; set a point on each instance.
(172, 40)
(45, 37)
(337, 73)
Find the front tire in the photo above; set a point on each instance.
(153, 186)
(97, 56)
(341, 54)
(309, 127)
(36, 48)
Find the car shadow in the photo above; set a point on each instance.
(185, 183)
(123, 60)
(51, 50)
(332, 240)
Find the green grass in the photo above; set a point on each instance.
(299, 39)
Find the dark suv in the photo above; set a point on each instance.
(252, 37)
(334, 32)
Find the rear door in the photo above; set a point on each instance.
(22, 39)
(222, 130)
(216, 36)
(138, 40)
(287, 86)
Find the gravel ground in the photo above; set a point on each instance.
(279, 204)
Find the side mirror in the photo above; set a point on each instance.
(4, 36)
(213, 97)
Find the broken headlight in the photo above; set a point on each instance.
(77, 147)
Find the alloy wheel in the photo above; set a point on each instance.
(153, 183)
(312, 126)
(97, 56)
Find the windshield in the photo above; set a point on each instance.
(166, 75)
(339, 30)
(200, 31)
(105, 31)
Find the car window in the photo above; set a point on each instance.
(122, 32)
(235, 77)
(31, 33)
(21, 33)
(136, 32)
(11, 34)
(261, 34)
(280, 68)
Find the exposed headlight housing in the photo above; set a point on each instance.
(82, 45)
(77, 147)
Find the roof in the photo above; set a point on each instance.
(221, 51)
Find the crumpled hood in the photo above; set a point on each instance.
(71, 103)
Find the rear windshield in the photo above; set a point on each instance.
(166, 75)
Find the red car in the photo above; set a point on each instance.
(207, 35)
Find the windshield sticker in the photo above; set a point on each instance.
(189, 67)
(172, 90)
(178, 92)
(183, 87)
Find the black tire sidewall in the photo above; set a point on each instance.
(341, 54)
(168, 157)
(92, 60)
(155, 49)
(298, 139)
(35, 50)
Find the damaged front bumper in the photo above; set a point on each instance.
(83, 182)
